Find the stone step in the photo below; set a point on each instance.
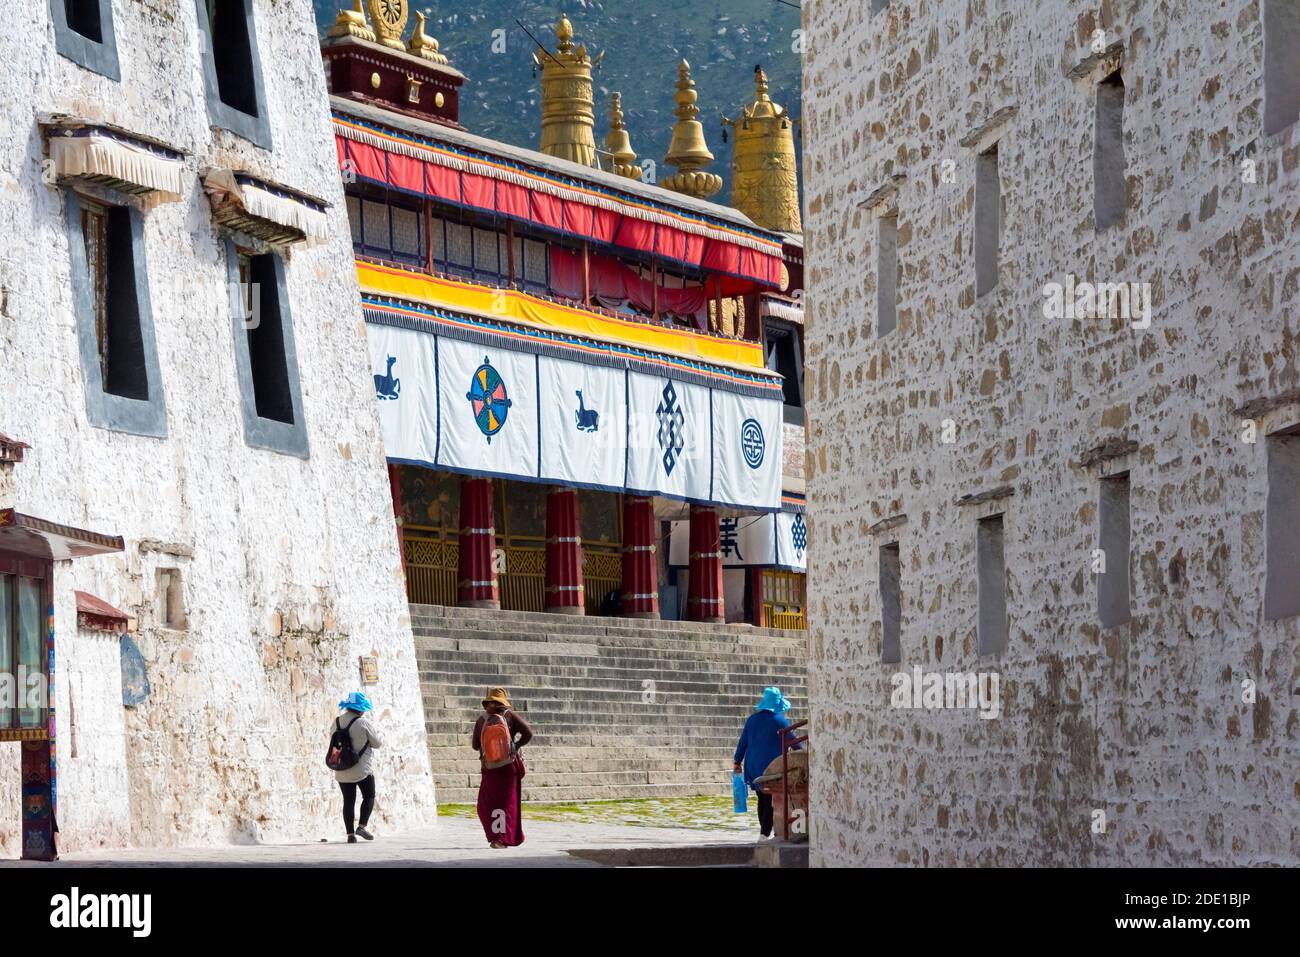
(583, 654)
(523, 693)
(565, 794)
(593, 701)
(544, 762)
(542, 619)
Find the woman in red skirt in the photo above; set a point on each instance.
(499, 733)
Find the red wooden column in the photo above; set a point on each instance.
(476, 572)
(756, 597)
(564, 589)
(640, 593)
(704, 595)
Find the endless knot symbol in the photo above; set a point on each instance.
(799, 535)
(672, 428)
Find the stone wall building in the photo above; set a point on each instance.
(984, 441)
(182, 348)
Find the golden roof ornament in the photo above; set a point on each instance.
(618, 143)
(352, 23)
(389, 18)
(688, 151)
(764, 175)
(568, 106)
(423, 45)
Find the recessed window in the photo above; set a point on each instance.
(171, 599)
(1281, 64)
(878, 5)
(1108, 153)
(1112, 564)
(115, 326)
(1282, 526)
(265, 354)
(232, 69)
(891, 606)
(992, 571)
(886, 274)
(106, 231)
(988, 203)
(784, 356)
(83, 32)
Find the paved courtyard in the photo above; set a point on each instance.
(680, 829)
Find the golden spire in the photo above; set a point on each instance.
(764, 177)
(423, 45)
(568, 109)
(352, 23)
(688, 150)
(618, 143)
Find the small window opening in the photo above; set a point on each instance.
(1281, 64)
(992, 572)
(232, 51)
(891, 607)
(1113, 562)
(111, 264)
(1108, 153)
(887, 275)
(83, 17)
(171, 599)
(1282, 526)
(988, 203)
(264, 327)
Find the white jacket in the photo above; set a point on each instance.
(363, 732)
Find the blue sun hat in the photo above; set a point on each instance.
(356, 701)
(772, 700)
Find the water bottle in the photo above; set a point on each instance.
(739, 792)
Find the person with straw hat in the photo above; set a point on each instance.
(498, 735)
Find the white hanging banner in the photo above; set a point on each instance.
(670, 439)
(745, 540)
(791, 541)
(746, 450)
(584, 423)
(406, 389)
(487, 421)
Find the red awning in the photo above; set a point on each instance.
(41, 539)
(97, 614)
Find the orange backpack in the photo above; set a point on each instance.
(496, 743)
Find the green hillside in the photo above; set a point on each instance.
(643, 41)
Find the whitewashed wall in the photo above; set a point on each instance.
(290, 567)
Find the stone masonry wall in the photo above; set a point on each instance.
(290, 567)
(1144, 721)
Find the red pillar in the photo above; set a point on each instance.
(640, 593)
(564, 589)
(756, 597)
(704, 596)
(476, 572)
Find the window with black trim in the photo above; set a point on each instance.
(784, 355)
(265, 353)
(83, 32)
(110, 288)
(232, 69)
(23, 658)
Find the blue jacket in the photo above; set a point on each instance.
(760, 742)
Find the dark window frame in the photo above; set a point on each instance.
(104, 409)
(774, 329)
(255, 127)
(261, 432)
(98, 56)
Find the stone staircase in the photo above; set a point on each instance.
(585, 684)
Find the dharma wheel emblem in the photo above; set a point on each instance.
(389, 18)
(488, 400)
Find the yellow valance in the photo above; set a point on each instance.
(511, 305)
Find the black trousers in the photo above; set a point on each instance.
(367, 786)
(765, 814)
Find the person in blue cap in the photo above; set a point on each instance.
(365, 740)
(760, 744)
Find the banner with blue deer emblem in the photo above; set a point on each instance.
(405, 391)
(584, 423)
(487, 421)
(746, 450)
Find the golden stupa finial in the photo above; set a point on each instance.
(688, 151)
(618, 143)
(568, 106)
(352, 23)
(423, 45)
(389, 18)
(764, 177)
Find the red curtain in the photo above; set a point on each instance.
(578, 218)
(406, 172)
(441, 183)
(512, 200)
(478, 191)
(548, 211)
(367, 161)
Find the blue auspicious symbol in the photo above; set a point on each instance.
(751, 443)
(588, 419)
(672, 428)
(387, 387)
(799, 535)
(487, 399)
